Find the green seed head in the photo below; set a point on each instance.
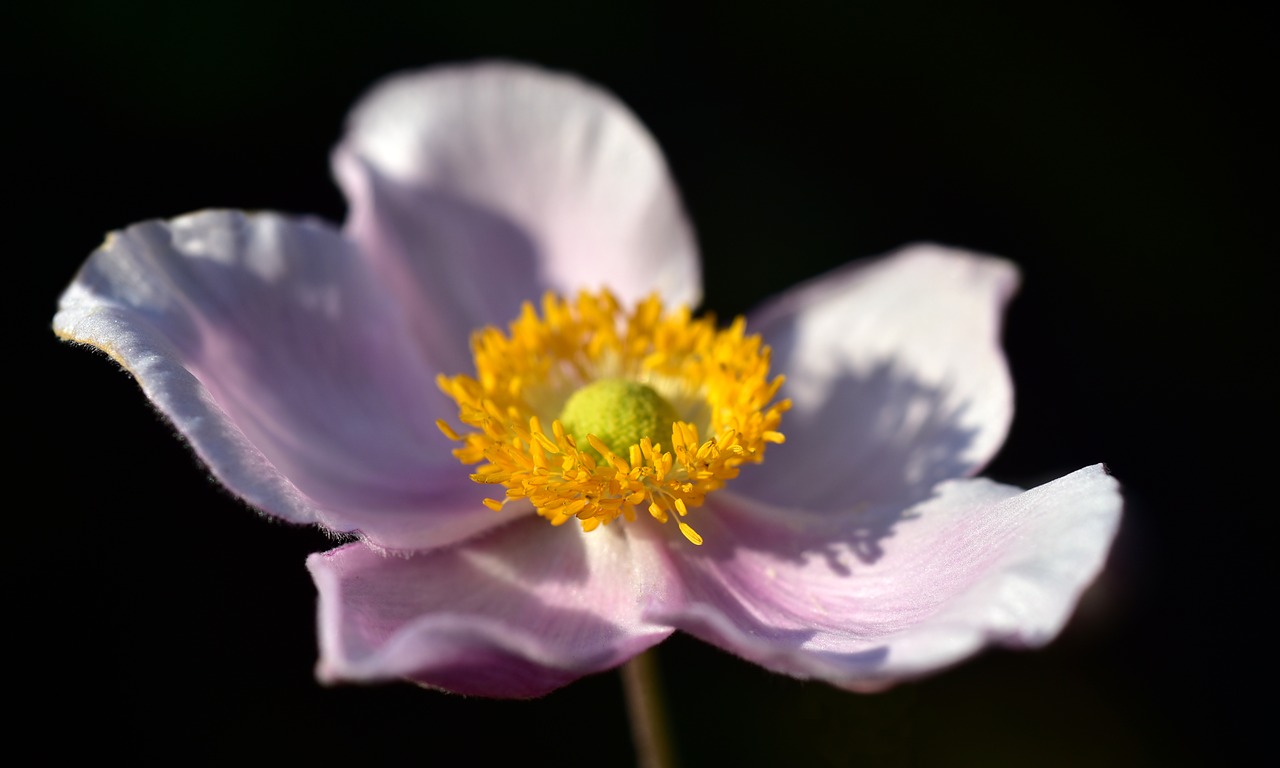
(620, 413)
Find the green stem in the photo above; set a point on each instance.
(649, 728)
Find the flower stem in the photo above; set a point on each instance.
(649, 729)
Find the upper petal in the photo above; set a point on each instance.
(897, 378)
(517, 612)
(278, 355)
(481, 185)
(868, 600)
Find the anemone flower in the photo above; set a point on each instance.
(491, 380)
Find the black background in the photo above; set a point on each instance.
(1115, 152)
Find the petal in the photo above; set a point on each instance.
(515, 613)
(271, 348)
(482, 185)
(897, 378)
(453, 266)
(875, 599)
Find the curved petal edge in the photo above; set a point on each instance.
(556, 178)
(978, 564)
(267, 344)
(896, 375)
(515, 613)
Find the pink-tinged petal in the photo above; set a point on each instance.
(480, 185)
(864, 600)
(514, 613)
(453, 266)
(897, 377)
(274, 351)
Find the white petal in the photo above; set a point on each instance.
(481, 185)
(273, 350)
(897, 378)
(516, 612)
(864, 599)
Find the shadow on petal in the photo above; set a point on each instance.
(869, 449)
(879, 437)
(515, 612)
(273, 349)
(452, 265)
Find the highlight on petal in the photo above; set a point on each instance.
(896, 377)
(979, 563)
(514, 613)
(271, 348)
(457, 175)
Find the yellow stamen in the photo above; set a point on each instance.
(639, 389)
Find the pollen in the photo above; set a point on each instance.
(589, 411)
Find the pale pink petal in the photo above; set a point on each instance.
(274, 351)
(454, 267)
(865, 599)
(514, 613)
(897, 377)
(479, 185)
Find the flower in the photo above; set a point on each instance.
(326, 377)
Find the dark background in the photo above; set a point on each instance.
(1116, 152)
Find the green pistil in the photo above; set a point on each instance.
(620, 413)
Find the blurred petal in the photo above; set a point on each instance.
(868, 600)
(897, 377)
(271, 348)
(515, 613)
(453, 266)
(480, 185)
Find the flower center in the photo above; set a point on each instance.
(620, 412)
(647, 408)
